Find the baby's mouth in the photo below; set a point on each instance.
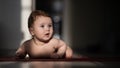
(47, 34)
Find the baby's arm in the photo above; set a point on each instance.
(21, 52)
(61, 49)
(69, 52)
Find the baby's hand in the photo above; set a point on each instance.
(54, 56)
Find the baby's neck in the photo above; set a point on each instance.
(38, 42)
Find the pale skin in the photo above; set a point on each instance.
(43, 45)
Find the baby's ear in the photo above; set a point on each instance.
(31, 31)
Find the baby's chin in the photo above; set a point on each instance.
(46, 39)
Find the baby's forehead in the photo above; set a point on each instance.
(43, 19)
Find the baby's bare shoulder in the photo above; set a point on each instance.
(27, 42)
(58, 41)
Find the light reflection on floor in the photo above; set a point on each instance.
(47, 64)
(50, 64)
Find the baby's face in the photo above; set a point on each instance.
(42, 28)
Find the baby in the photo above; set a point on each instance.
(42, 44)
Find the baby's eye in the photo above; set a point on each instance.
(42, 26)
(50, 25)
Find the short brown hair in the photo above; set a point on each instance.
(33, 16)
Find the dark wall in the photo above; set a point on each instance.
(95, 27)
(10, 33)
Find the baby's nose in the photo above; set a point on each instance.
(47, 28)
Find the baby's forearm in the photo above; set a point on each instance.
(69, 52)
(61, 51)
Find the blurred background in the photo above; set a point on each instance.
(89, 27)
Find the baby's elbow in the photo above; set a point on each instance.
(20, 55)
